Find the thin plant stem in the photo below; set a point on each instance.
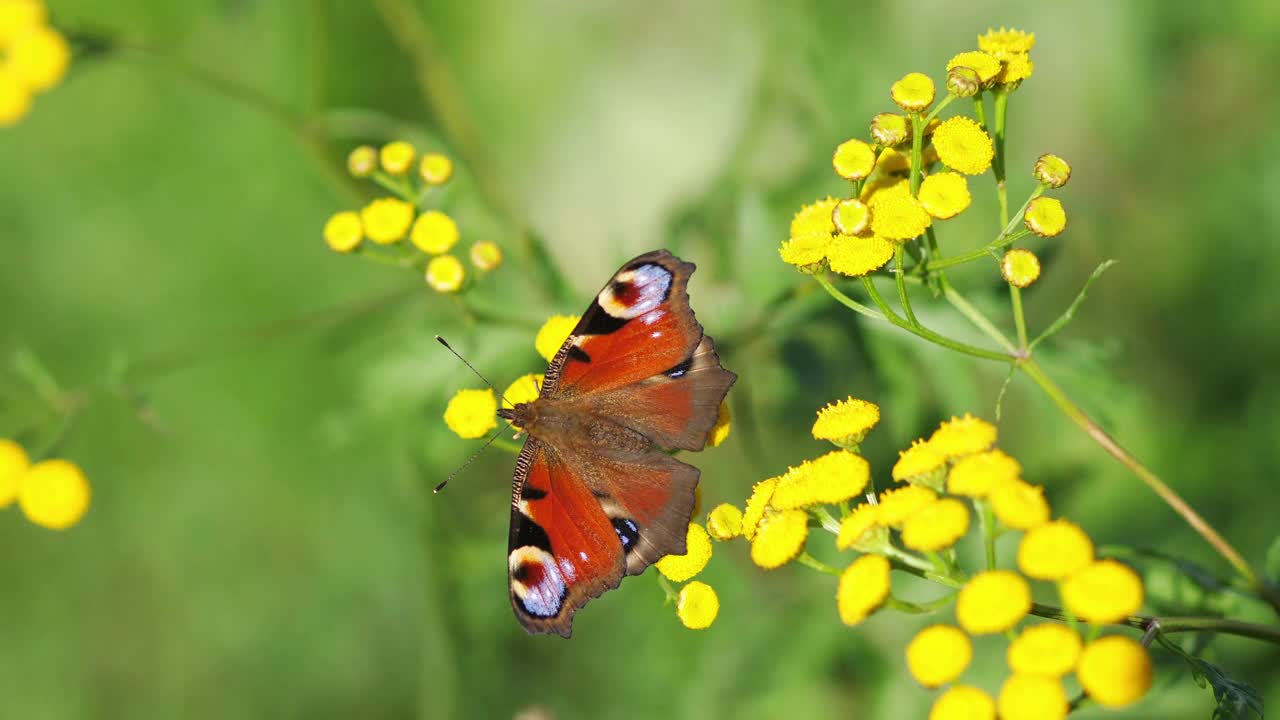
(1019, 321)
(987, 518)
(1001, 103)
(975, 316)
(901, 283)
(811, 562)
(988, 250)
(845, 300)
(1169, 625)
(927, 333)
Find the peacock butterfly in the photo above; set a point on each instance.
(596, 496)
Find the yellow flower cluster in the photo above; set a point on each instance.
(387, 221)
(52, 493)
(33, 57)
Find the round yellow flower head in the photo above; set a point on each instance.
(553, 333)
(993, 601)
(945, 195)
(846, 422)
(1020, 267)
(1054, 550)
(486, 255)
(811, 231)
(1048, 650)
(985, 65)
(896, 215)
(831, 478)
(898, 504)
(761, 494)
(19, 16)
(854, 160)
(863, 587)
(435, 169)
(1052, 170)
(523, 389)
(40, 57)
(1014, 69)
(962, 436)
(697, 553)
(851, 217)
(889, 129)
(977, 475)
(15, 97)
(1032, 697)
(1115, 671)
(963, 702)
(1020, 505)
(397, 157)
(697, 605)
(724, 522)
(963, 145)
(862, 530)
(472, 413)
(779, 538)
(1004, 42)
(936, 526)
(13, 465)
(362, 161)
(343, 231)
(1045, 217)
(913, 93)
(814, 219)
(720, 431)
(920, 464)
(938, 654)
(386, 220)
(434, 232)
(857, 256)
(963, 81)
(1103, 592)
(445, 274)
(54, 494)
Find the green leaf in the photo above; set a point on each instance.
(1272, 566)
(1236, 700)
(1067, 316)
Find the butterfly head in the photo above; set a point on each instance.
(522, 415)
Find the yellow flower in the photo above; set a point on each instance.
(724, 522)
(1003, 42)
(836, 476)
(13, 464)
(434, 232)
(814, 219)
(898, 504)
(963, 145)
(1015, 69)
(54, 494)
(697, 605)
(472, 413)
(1103, 592)
(761, 494)
(553, 333)
(986, 65)
(720, 431)
(386, 220)
(889, 129)
(993, 601)
(1020, 505)
(523, 389)
(1020, 267)
(896, 215)
(846, 422)
(343, 231)
(486, 255)
(963, 436)
(397, 157)
(863, 587)
(938, 654)
(893, 165)
(1115, 670)
(1052, 170)
(979, 474)
(963, 81)
(1045, 217)
(851, 217)
(920, 464)
(435, 169)
(805, 252)
(40, 57)
(963, 702)
(362, 161)
(445, 273)
(936, 526)
(853, 160)
(857, 256)
(1032, 697)
(945, 195)
(19, 16)
(1048, 650)
(862, 530)
(779, 538)
(697, 553)
(913, 93)
(1054, 550)
(15, 98)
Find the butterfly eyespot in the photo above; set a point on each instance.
(536, 582)
(635, 292)
(680, 369)
(628, 533)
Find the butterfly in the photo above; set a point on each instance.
(596, 494)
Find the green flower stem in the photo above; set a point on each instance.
(667, 588)
(987, 520)
(901, 283)
(824, 516)
(938, 108)
(975, 316)
(811, 562)
(845, 300)
(998, 162)
(987, 250)
(916, 608)
(1019, 320)
(1169, 625)
(911, 568)
(917, 150)
(928, 334)
(507, 445)
(980, 110)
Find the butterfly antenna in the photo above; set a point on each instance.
(474, 455)
(473, 369)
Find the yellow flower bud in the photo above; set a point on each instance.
(362, 161)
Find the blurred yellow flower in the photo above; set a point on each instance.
(724, 423)
(1115, 671)
(1054, 550)
(697, 605)
(19, 16)
(1020, 267)
(343, 231)
(938, 655)
(472, 413)
(1015, 69)
(863, 587)
(919, 464)
(963, 145)
(1103, 592)
(831, 478)
(986, 65)
(1032, 697)
(397, 157)
(978, 474)
(13, 465)
(15, 98)
(697, 553)
(40, 57)
(362, 161)
(54, 494)
(862, 530)
(435, 169)
(945, 195)
(1045, 217)
(936, 526)
(854, 160)
(523, 389)
(913, 93)
(963, 436)
(1020, 505)
(553, 333)
(780, 538)
(486, 255)
(1048, 649)
(434, 232)
(963, 702)
(386, 220)
(761, 494)
(898, 504)
(724, 522)
(846, 422)
(445, 273)
(993, 601)
(1006, 41)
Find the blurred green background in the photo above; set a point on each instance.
(263, 541)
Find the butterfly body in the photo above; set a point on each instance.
(596, 496)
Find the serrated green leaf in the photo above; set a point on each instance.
(1236, 700)
(1070, 313)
